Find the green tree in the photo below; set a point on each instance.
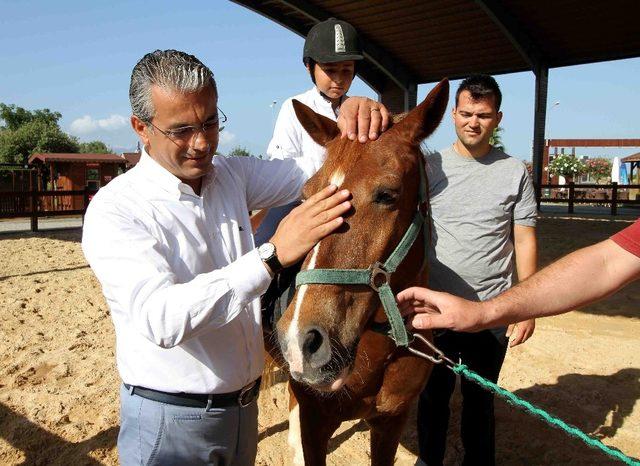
(496, 139)
(94, 147)
(239, 151)
(34, 136)
(24, 132)
(14, 117)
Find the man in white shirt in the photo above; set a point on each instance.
(171, 243)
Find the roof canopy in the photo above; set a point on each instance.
(413, 42)
(632, 158)
(78, 158)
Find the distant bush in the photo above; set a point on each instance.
(599, 168)
(567, 166)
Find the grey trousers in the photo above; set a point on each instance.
(153, 433)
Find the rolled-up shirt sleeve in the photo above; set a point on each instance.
(130, 261)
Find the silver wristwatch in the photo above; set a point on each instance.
(268, 255)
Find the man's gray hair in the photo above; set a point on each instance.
(169, 69)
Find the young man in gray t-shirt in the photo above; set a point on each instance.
(483, 211)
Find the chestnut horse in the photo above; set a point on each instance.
(341, 365)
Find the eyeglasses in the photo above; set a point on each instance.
(188, 133)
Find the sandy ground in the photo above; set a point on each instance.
(58, 383)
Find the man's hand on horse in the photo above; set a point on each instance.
(308, 223)
(362, 117)
(433, 309)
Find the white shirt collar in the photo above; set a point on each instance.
(163, 178)
(326, 102)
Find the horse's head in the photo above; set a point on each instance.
(320, 330)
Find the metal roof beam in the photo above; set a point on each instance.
(514, 31)
(375, 55)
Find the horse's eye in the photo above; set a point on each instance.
(386, 196)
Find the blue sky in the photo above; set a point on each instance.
(76, 58)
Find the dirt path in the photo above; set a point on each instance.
(58, 384)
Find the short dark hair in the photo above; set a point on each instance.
(481, 86)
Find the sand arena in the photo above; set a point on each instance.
(59, 386)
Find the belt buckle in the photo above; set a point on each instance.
(244, 398)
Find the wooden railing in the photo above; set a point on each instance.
(591, 194)
(35, 204)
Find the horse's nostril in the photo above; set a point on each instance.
(312, 342)
(316, 350)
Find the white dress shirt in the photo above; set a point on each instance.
(291, 140)
(180, 272)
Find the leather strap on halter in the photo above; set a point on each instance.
(378, 276)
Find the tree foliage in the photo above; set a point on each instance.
(239, 151)
(14, 117)
(25, 132)
(496, 139)
(94, 147)
(34, 136)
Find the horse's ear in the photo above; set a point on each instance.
(320, 128)
(425, 118)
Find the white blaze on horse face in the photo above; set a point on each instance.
(294, 354)
(337, 178)
(295, 436)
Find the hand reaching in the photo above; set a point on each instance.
(308, 223)
(434, 309)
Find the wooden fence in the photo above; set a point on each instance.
(590, 194)
(35, 204)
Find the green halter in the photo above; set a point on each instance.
(378, 275)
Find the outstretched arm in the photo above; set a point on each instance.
(576, 280)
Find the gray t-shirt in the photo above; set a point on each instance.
(474, 204)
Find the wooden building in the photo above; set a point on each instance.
(74, 172)
(132, 158)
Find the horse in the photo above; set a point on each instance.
(334, 337)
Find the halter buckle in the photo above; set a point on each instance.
(378, 276)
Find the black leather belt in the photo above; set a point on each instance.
(242, 397)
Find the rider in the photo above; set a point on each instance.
(330, 54)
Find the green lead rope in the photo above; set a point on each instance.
(542, 414)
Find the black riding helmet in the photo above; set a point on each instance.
(331, 41)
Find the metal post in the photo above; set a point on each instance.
(34, 201)
(85, 202)
(571, 195)
(539, 117)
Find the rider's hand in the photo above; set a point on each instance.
(362, 117)
(308, 223)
